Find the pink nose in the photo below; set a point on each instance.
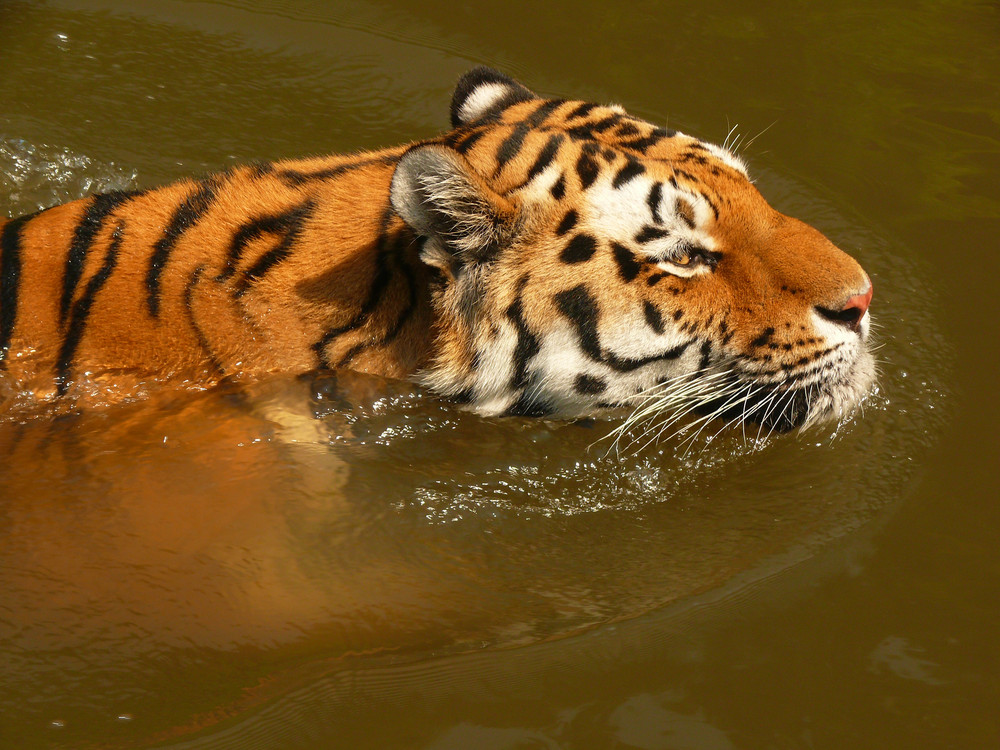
(857, 305)
(852, 312)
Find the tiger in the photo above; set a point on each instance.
(545, 257)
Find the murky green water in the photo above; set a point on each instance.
(348, 562)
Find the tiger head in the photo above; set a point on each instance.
(587, 260)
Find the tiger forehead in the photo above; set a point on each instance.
(612, 127)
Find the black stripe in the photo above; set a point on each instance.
(648, 234)
(712, 205)
(297, 178)
(545, 156)
(567, 223)
(633, 168)
(727, 335)
(558, 190)
(527, 343)
(536, 118)
(511, 146)
(582, 110)
(586, 167)
(589, 385)
(697, 158)
(577, 305)
(580, 133)
(653, 316)
(764, 338)
(243, 236)
(642, 145)
(199, 334)
(404, 316)
(626, 130)
(468, 141)
(187, 215)
(628, 266)
(10, 280)
(289, 225)
(579, 249)
(706, 355)
(413, 293)
(606, 124)
(526, 406)
(81, 311)
(582, 311)
(654, 200)
(378, 285)
(83, 238)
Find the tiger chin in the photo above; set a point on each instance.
(543, 257)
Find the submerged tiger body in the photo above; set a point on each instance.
(543, 257)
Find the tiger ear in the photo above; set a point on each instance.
(483, 92)
(439, 195)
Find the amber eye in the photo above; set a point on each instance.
(688, 256)
(683, 258)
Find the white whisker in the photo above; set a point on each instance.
(750, 142)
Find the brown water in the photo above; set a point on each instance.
(348, 562)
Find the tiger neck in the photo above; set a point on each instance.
(371, 302)
(389, 328)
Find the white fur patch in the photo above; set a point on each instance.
(621, 213)
(481, 99)
(727, 157)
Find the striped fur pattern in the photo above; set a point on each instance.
(544, 257)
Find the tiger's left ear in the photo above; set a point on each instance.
(483, 92)
(439, 195)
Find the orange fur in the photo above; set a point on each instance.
(201, 332)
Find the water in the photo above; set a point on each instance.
(346, 561)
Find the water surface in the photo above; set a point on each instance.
(347, 561)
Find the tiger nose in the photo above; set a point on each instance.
(857, 306)
(853, 311)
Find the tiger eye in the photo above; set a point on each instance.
(683, 259)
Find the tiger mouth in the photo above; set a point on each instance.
(783, 407)
(686, 405)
